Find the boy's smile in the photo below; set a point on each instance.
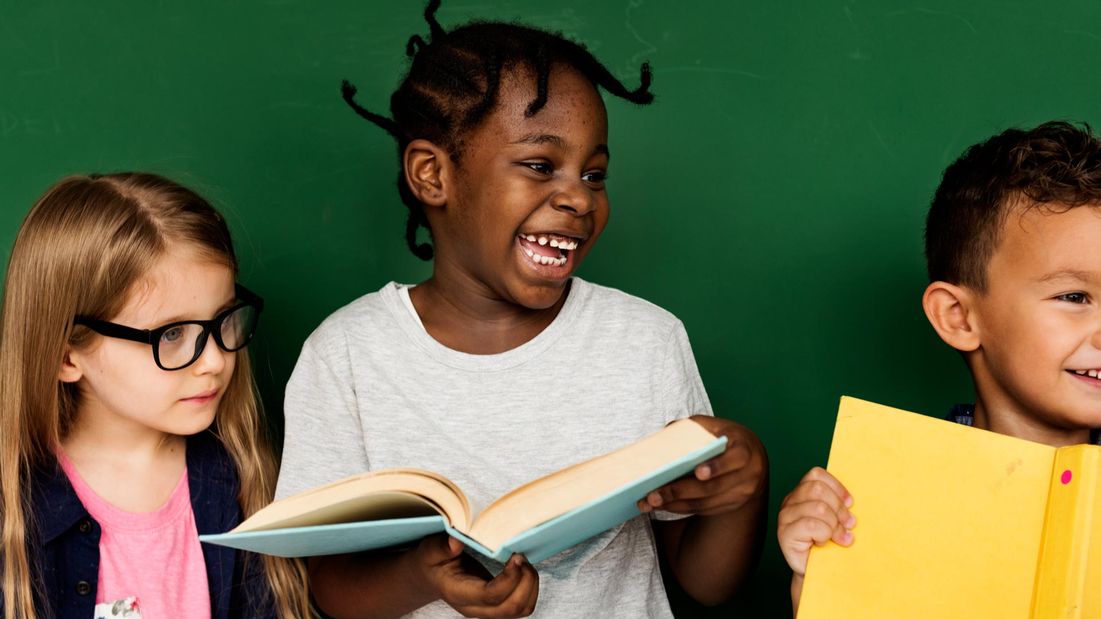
(1039, 324)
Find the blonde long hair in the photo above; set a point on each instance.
(80, 250)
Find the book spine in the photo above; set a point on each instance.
(1066, 568)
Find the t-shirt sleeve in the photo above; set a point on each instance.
(681, 388)
(323, 439)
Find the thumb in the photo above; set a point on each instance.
(454, 546)
(436, 549)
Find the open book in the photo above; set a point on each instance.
(539, 519)
(953, 521)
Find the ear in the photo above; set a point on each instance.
(70, 371)
(951, 311)
(426, 169)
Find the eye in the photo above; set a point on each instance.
(172, 335)
(596, 177)
(1080, 298)
(542, 167)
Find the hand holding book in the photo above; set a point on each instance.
(464, 584)
(722, 484)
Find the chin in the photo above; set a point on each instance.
(541, 297)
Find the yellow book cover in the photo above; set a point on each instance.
(953, 521)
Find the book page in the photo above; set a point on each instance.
(949, 520)
(553, 495)
(378, 495)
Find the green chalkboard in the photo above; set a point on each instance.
(773, 197)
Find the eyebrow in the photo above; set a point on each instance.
(182, 318)
(1082, 276)
(558, 142)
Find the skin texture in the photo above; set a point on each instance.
(127, 440)
(535, 176)
(1037, 321)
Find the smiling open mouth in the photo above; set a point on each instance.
(548, 249)
(1089, 373)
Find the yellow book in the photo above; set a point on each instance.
(953, 521)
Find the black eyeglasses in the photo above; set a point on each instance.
(177, 345)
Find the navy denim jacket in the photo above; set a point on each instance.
(63, 543)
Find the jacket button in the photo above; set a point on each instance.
(83, 588)
(85, 526)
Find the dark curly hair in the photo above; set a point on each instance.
(453, 82)
(1057, 165)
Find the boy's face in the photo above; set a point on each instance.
(526, 202)
(1039, 321)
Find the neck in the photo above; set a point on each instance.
(107, 438)
(1008, 419)
(469, 317)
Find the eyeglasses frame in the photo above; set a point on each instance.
(151, 336)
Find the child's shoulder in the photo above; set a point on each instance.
(372, 311)
(616, 309)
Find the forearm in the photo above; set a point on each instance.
(711, 556)
(379, 585)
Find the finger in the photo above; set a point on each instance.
(519, 601)
(725, 492)
(468, 585)
(796, 540)
(736, 457)
(437, 549)
(522, 601)
(496, 591)
(817, 490)
(821, 475)
(829, 510)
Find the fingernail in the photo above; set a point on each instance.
(655, 499)
(849, 501)
(851, 522)
(703, 472)
(847, 538)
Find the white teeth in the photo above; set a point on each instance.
(544, 260)
(1092, 373)
(554, 242)
(542, 240)
(530, 238)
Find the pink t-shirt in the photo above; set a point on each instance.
(151, 562)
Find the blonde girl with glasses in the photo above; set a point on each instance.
(128, 414)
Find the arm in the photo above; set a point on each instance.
(712, 552)
(815, 512)
(391, 584)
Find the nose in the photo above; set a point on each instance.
(574, 197)
(212, 360)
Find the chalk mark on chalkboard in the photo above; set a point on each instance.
(649, 47)
(1090, 35)
(721, 70)
(882, 142)
(926, 11)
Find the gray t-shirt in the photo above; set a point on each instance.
(372, 389)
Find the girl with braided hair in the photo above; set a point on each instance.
(503, 366)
